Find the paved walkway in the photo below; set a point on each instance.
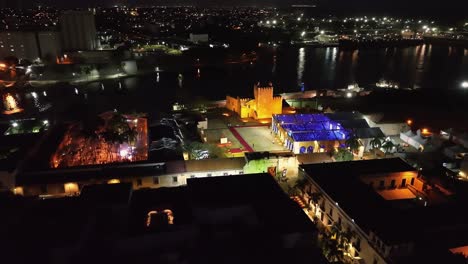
(241, 140)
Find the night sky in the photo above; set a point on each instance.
(424, 8)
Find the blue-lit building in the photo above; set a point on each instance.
(309, 133)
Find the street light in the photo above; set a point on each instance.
(464, 85)
(409, 122)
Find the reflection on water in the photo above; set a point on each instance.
(300, 65)
(423, 66)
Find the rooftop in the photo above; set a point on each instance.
(388, 213)
(331, 126)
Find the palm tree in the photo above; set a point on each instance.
(301, 184)
(376, 143)
(388, 146)
(345, 238)
(315, 197)
(353, 143)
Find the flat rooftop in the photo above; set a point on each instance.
(384, 213)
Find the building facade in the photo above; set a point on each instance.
(376, 200)
(30, 45)
(315, 133)
(78, 30)
(263, 106)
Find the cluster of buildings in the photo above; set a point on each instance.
(77, 32)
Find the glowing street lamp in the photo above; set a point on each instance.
(409, 122)
(464, 85)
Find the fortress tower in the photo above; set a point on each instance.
(263, 106)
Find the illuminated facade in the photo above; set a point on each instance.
(375, 200)
(263, 106)
(313, 133)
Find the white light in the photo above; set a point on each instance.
(211, 46)
(274, 22)
(298, 19)
(322, 32)
(424, 27)
(349, 95)
(14, 124)
(34, 94)
(464, 85)
(303, 33)
(76, 90)
(44, 93)
(45, 122)
(123, 153)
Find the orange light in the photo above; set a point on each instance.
(3, 65)
(409, 122)
(113, 181)
(425, 131)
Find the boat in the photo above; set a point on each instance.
(382, 83)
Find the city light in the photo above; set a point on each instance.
(14, 124)
(303, 33)
(349, 95)
(409, 122)
(464, 85)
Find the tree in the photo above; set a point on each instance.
(376, 143)
(343, 154)
(388, 146)
(301, 184)
(315, 197)
(353, 143)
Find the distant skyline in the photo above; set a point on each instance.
(454, 9)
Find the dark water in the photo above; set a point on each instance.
(423, 67)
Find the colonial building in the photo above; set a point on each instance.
(396, 216)
(312, 133)
(263, 106)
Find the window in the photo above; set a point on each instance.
(412, 181)
(241, 172)
(382, 184)
(339, 221)
(403, 182)
(174, 179)
(392, 184)
(331, 211)
(155, 180)
(358, 244)
(139, 182)
(375, 261)
(192, 176)
(225, 174)
(209, 175)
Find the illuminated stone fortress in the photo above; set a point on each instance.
(263, 106)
